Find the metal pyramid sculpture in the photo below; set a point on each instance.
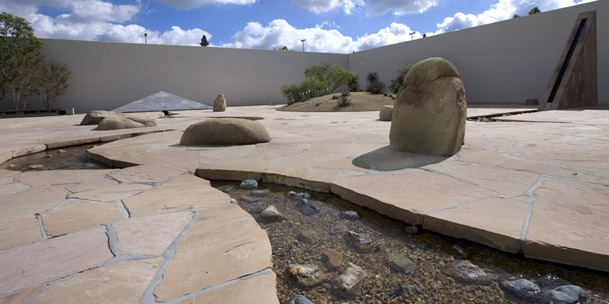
(574, 82)
(162, 101)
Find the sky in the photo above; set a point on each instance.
(336, 26)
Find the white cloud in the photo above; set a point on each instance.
(279, 33)
(188, 4)
(373, 7)
(502, 10)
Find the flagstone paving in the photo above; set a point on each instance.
(153, 232)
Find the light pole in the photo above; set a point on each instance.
(303, 40)
(145, 38)
(412, 35)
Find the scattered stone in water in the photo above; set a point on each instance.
(270, 213)
(520, 287)
(361, 241)
(567, 294)
(332, 258)
(400, 261)
(413, 229)
(458, 250)
(12, 166)
(62, 151)
(340, 229)
(308, 209)
(349, 281)
(249, 184)
(350, 215)
(258, 209)
(299, 299)
(414, 289)
(467, 272)
(306, 275)
(36, 166)
(233, 201)
(226, 189)
(306, 236)
(260, 193)
(300, 197)
(49, 156)
(248, 200)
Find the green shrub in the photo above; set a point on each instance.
(401, 72)
(308, 88)
(375, 85)
(344, 101)
(333, 75)
(345, 94)
(354, 84)
(335, 97)
(320, 80)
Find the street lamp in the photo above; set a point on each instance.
(303, 40)
(412, 35)
(145, 38)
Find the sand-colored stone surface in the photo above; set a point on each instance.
(18, 230)
(27, 266)
(184, 192)
(92, 184)
(22, 297)
(10, 189)
(150, 235)
(38, 200)
(111, 192)
(213, 251)
(260, 289)
(78, 215)
(151, 173)
(122, 282)
(58, 178)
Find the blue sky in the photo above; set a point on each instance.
(340, 26)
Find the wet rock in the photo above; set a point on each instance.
(36, 166)
(270, 213)
(349, 281)
(332, 258)
(400, 261)
(567, 294)
(458, 250)
(258, 209)
(306, 236)
(414, 289)
(361, 241)
(413, 229)
(300, 300)
(340, 229)
(259, 193)
(62, 151)
(249, 184)
(308, 209)
(300, 197)
(49, 156)
(248, 200)
(520, 287)
(467, 272)
(306, 275)
(350, 215)
(226, 189)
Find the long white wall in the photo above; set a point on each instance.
(504, 62)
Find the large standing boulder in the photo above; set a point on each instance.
(430, 110)
(225, 131)
(220, 103)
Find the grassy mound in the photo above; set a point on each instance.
(360, 101)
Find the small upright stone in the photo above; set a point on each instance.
(249, 184)
(430, 110)
(385, 113)
(220, 103)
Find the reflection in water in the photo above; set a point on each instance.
(70, 158)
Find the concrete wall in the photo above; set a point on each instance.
(504, 62)
(109, 75)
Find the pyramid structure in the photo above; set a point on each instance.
(162, 101)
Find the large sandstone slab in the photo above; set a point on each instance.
(31, 201)
(92, 184)
(259, 290)
(78, 215)
(312, 178)
(7, 176)
(27, 266)
(406, 195)
(58, 178)
(494, 222)
(150, 173)
(566, 225)
(223, 244)
(122, 282)
(512, 162)
(18, 230)
(10, 189)
(111, 193)
(150, 235)
(21, 297)
(184, 192)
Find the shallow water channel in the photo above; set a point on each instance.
(394, 266)
(70, 158)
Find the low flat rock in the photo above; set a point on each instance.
(18, 230)
(59, 178)
(38, 200)
(150, 235)
(122, 282)
(259, 290)
(78, 215)
(111, 193)
(29, 265)
(150, 173)
(223, 244)
(466, 272)
(184, 192)
(564, 225)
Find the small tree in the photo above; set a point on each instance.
(516, 16)
(354, 84)
(375, 85)
(283, 48)
(401, 72)
(334, 75)
(534, 11)
(204, 41)
(55, 81)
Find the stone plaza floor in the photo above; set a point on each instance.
(534, 183)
